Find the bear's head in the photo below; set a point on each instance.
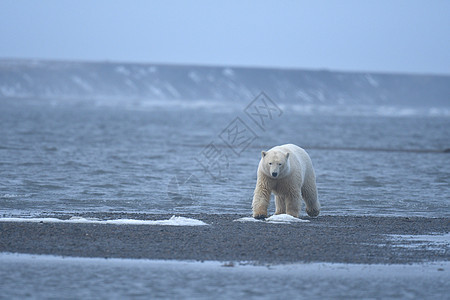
(275, 164)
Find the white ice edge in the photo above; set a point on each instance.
(275, 219)
(429, 238)
(436, 242)
(173, 221)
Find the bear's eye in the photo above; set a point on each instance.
(279, 164)
(270, 164)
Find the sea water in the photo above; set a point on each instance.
(201, 157)
(51, 277)
(189, 157)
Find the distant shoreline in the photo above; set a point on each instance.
(334, 239)
(61, 79)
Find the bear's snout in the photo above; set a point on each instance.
(274, 174)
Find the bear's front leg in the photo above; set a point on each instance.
(293, 204)
(280, 205)
(260, 204)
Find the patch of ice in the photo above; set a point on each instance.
(275, 219)
(284, 218)
(248, 219)
(173, 221)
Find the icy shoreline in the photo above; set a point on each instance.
(328, 257)
(26, 275)
(333, 239)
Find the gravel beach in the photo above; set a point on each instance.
(335, 239)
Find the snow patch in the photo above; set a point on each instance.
(284, 218)
(372, 80)
(7, 195)
(122, 70)
(275, 219)
(228, 72)
(156, 91)
(194, 77)
(172, 90)
(82, 83)
(173, 221)
(248, 219)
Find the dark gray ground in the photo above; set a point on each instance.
(340, 239)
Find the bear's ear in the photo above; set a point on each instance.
(263, 153)
(287, 155)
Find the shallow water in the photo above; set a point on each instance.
(49, 277)
(78, 156)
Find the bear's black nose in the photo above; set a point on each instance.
(274, 174)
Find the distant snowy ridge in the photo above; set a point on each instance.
(61, 80)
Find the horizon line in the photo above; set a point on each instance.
(210, 65)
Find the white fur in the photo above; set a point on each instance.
(288, 173)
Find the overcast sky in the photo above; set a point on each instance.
(383, 36)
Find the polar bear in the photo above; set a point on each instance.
(287, 172)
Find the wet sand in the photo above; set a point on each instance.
(335, 239)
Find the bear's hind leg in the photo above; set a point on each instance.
(280, 205)
(309, 193)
